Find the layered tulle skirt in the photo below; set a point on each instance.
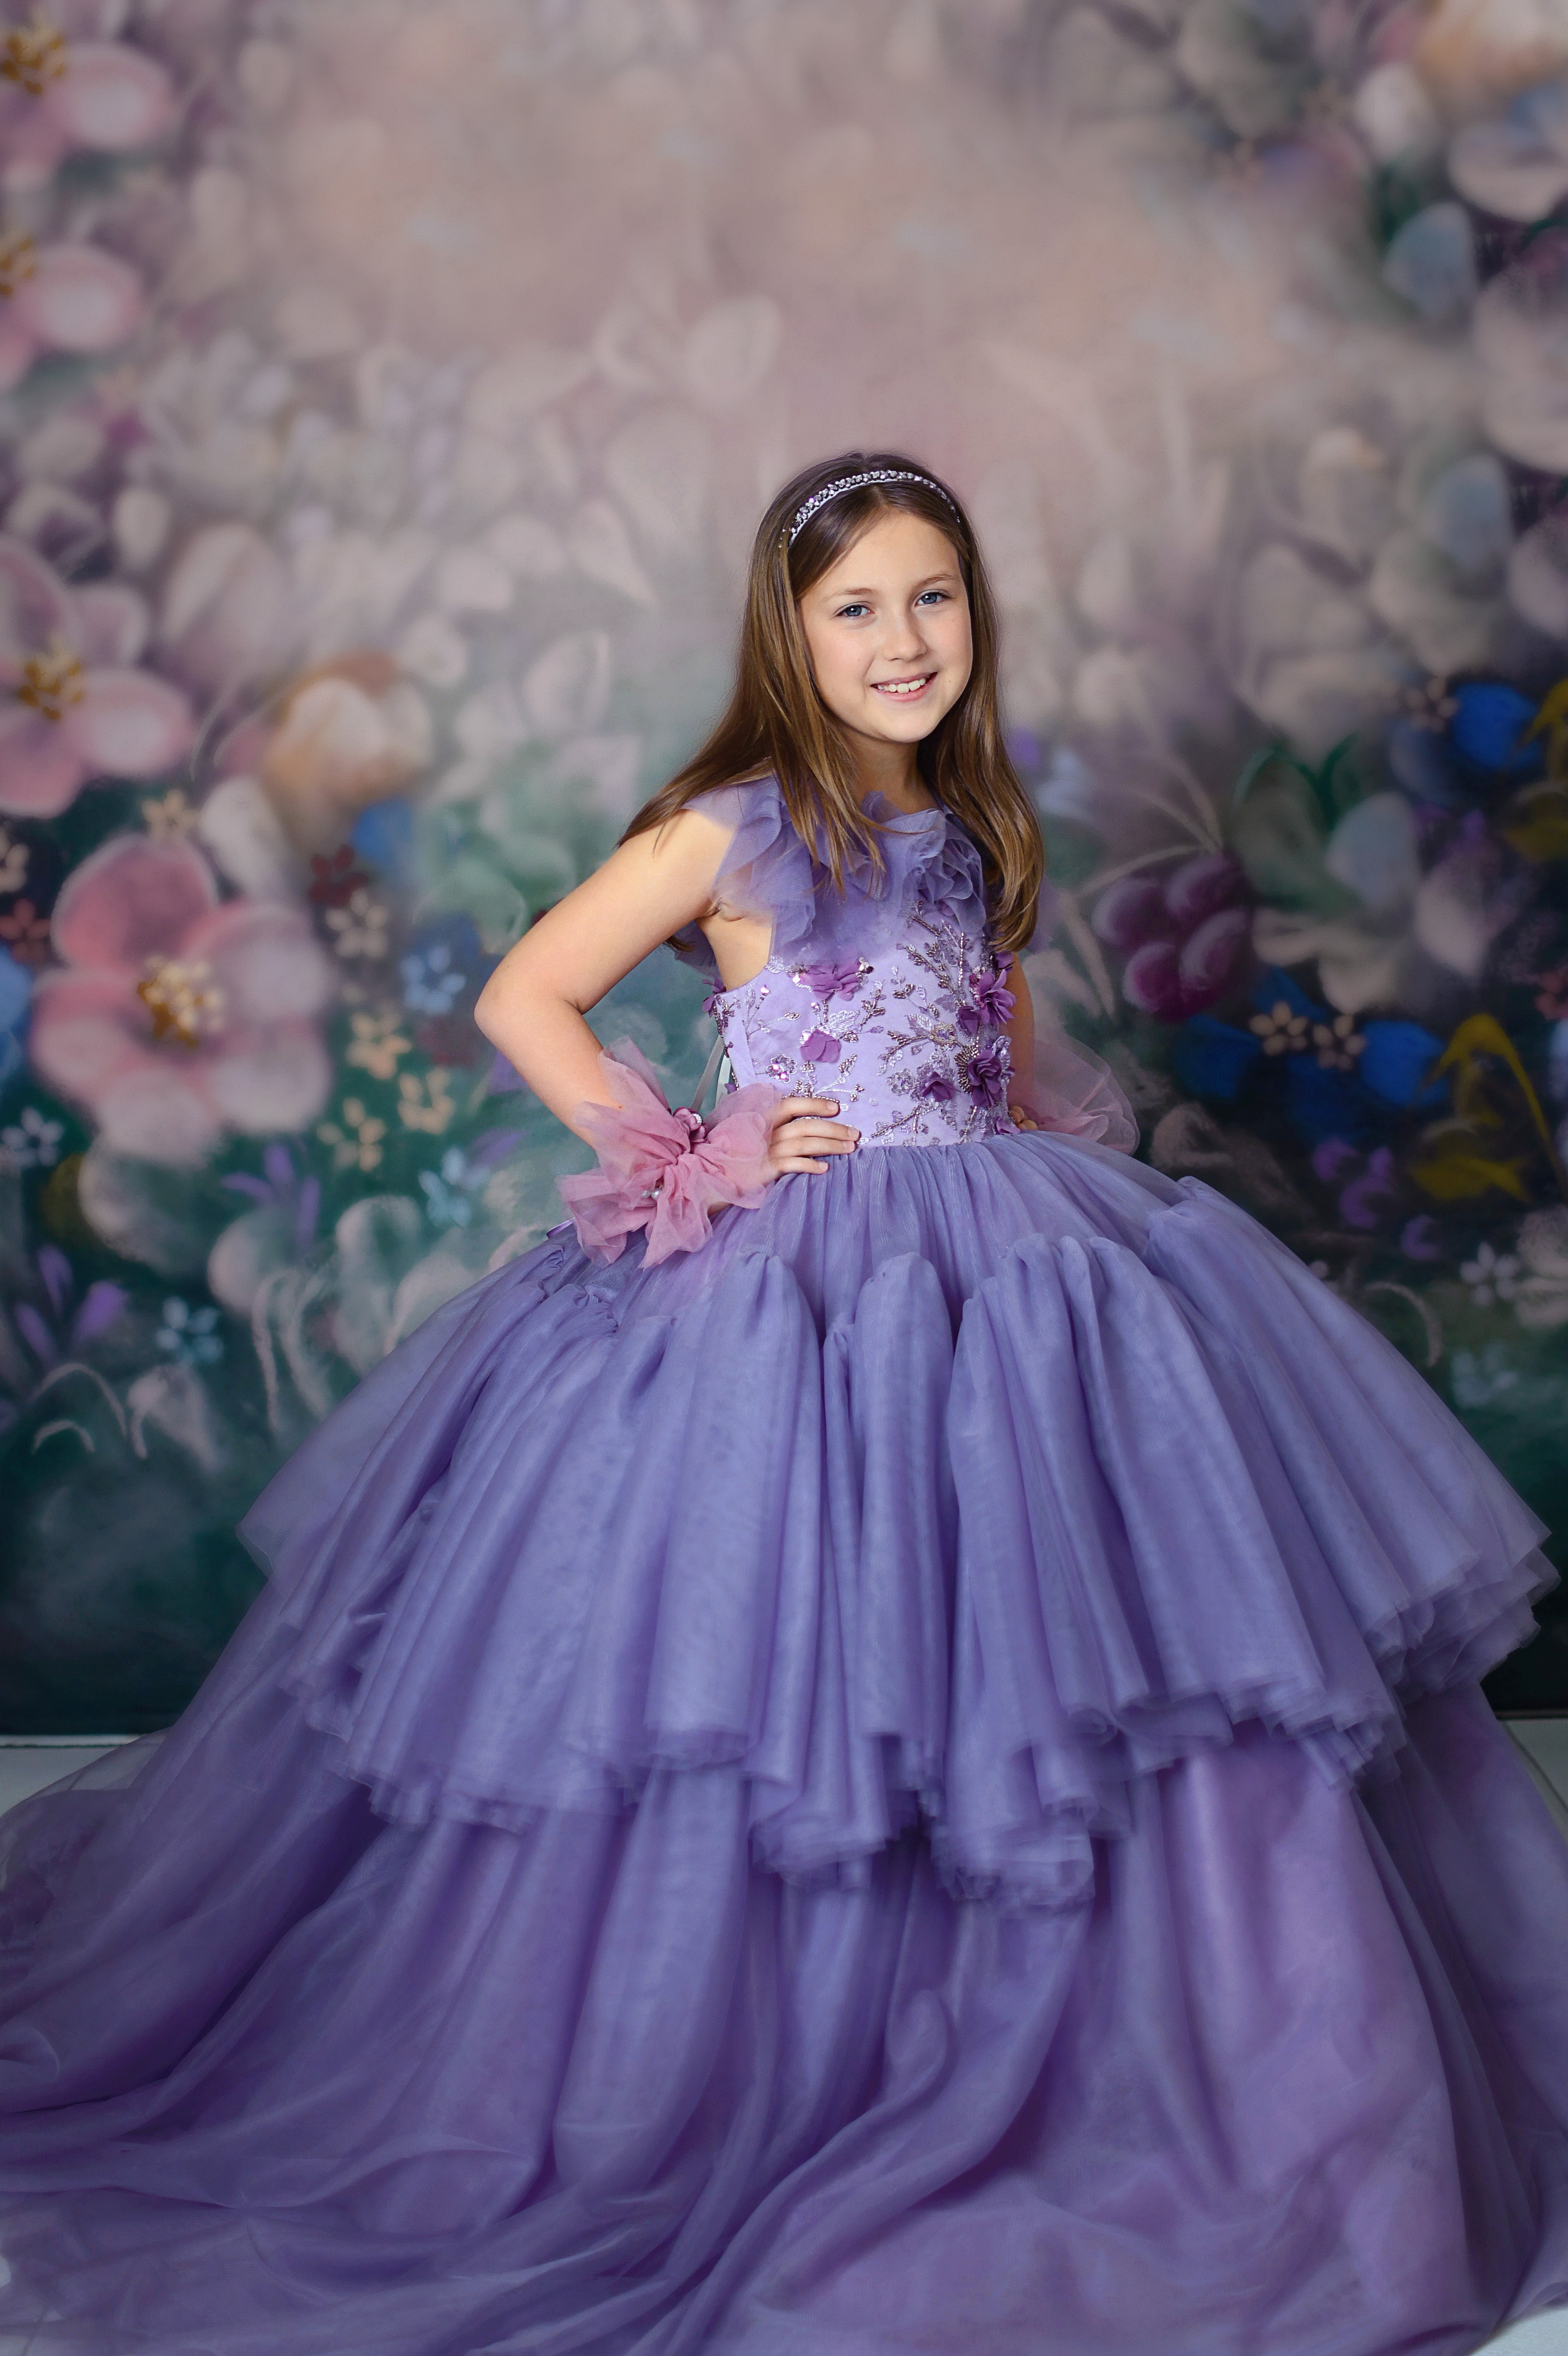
(908, 1780)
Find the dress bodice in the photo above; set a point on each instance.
(886, 995)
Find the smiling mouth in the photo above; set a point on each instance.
(904, 691)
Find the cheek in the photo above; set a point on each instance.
(839, 668)
(958, 644)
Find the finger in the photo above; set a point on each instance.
(813, 1125)
(820, 1141)
(789, 1106)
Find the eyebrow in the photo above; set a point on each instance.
(949, 573)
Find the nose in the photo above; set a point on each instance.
(904, 642)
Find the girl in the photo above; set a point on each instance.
(879, 1750)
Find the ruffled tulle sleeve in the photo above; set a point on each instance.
(767, 871)
(1066, 1087)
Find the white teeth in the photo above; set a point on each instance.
(903, 686)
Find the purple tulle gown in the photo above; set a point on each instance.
(910, 1780)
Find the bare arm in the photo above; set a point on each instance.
(534, 1004)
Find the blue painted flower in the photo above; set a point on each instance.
(384, 834)
(16, 995)
(1488, 728)
(450, 1190)
(1337, 1080)
(433, 979)
(1396, 1062)
(1213, 1058)
(439, 966)
(1453, 751)
(190, 1336)
(448, 1198)
(1321, 1103)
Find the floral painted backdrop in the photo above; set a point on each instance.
(387, 391)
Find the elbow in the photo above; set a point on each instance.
(487, 1011)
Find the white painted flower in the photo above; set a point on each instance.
(1281, 1029)
(1479, 1378)
(1308, 655)
(360, 929)
(1338, 1044)
(169, 818)
(1491, 1276)
(433, 652)
(32, 1141)
(1540, 1296)
(1516, 165)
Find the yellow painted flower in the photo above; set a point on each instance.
(377, 1045)
(169, 818)
(427, 1104)
(33, 55)
(356, 1143)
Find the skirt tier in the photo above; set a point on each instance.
(910, 1781)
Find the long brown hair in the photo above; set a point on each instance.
(776, 720)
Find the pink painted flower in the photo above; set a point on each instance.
(62, 298)
(178, 1016)
(62, 90)
(72, 703)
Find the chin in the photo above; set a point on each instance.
(909, 727)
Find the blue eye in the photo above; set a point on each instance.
(846, 613)
(940, 594)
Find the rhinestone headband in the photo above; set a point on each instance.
(856, 482)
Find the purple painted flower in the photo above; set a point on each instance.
(1419, 1238)
(937, 1085)
(1131, 912)
(820, 1047)
(1210, 955)
(71, 1324)
(1184, 940)
(504, 1079)
(1199, 887)
(1366, 1198)
(1333, 1158)
(302, 1196)
(987, 1077)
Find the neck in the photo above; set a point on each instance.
(890, 769)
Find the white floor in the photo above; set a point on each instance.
(28, 1767)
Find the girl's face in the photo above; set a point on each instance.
(888, 632)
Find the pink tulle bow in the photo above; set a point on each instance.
(1069, 1090)
(665, 1169)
